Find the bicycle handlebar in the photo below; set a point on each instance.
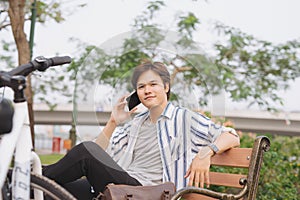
(39, 63)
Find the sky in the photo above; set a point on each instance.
(101, 21)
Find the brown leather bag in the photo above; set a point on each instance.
(162, 191)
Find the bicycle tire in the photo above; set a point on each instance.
(49, 187)
(51, 190)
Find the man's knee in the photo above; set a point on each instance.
(85, 145)
(91, 148)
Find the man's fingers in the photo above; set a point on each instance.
(196, 182)
(121, 102)
(187, 173)
(133, 110)
(122, 99)
(202, 180)
(191, 181)
(207, 179)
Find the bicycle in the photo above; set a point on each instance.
(16, 144)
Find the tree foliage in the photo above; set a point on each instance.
(249, 69)
(13, 16)
(46, 10)
(253, 69)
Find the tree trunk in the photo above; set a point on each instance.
(17, 19)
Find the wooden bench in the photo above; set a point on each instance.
(247, 158)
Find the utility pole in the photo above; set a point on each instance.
(72, 132)
(31, 43)
(32, 27)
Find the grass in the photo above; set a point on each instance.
(47, 159)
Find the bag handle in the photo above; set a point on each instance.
(129, 197)
(100, 196)
(166, 195)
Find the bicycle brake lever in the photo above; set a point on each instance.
(40, 63)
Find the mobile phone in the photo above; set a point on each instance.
(133, 100)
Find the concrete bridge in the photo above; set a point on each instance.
(244, 120)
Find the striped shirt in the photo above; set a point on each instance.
(180, 133)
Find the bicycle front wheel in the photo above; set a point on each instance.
(50, 189)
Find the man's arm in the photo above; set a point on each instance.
(226, 141)
(198, 171)
(117, 117)
(105, 135)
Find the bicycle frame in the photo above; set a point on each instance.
(19, 140)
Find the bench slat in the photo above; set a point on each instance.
(194, 196)
(226, 179)
(235, 157)
(216, 178)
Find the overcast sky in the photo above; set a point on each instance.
(273, 20)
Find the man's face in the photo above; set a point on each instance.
(151, 90)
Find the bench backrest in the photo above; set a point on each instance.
(248, 158)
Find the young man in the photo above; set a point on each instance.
(165, 143)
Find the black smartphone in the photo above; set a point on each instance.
(133, 100)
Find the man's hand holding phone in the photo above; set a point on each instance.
(119, 114)
(133, 100)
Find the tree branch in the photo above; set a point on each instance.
(4, 26)
(178, 70)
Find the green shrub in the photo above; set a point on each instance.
(279, 175)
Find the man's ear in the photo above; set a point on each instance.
(167, 87)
